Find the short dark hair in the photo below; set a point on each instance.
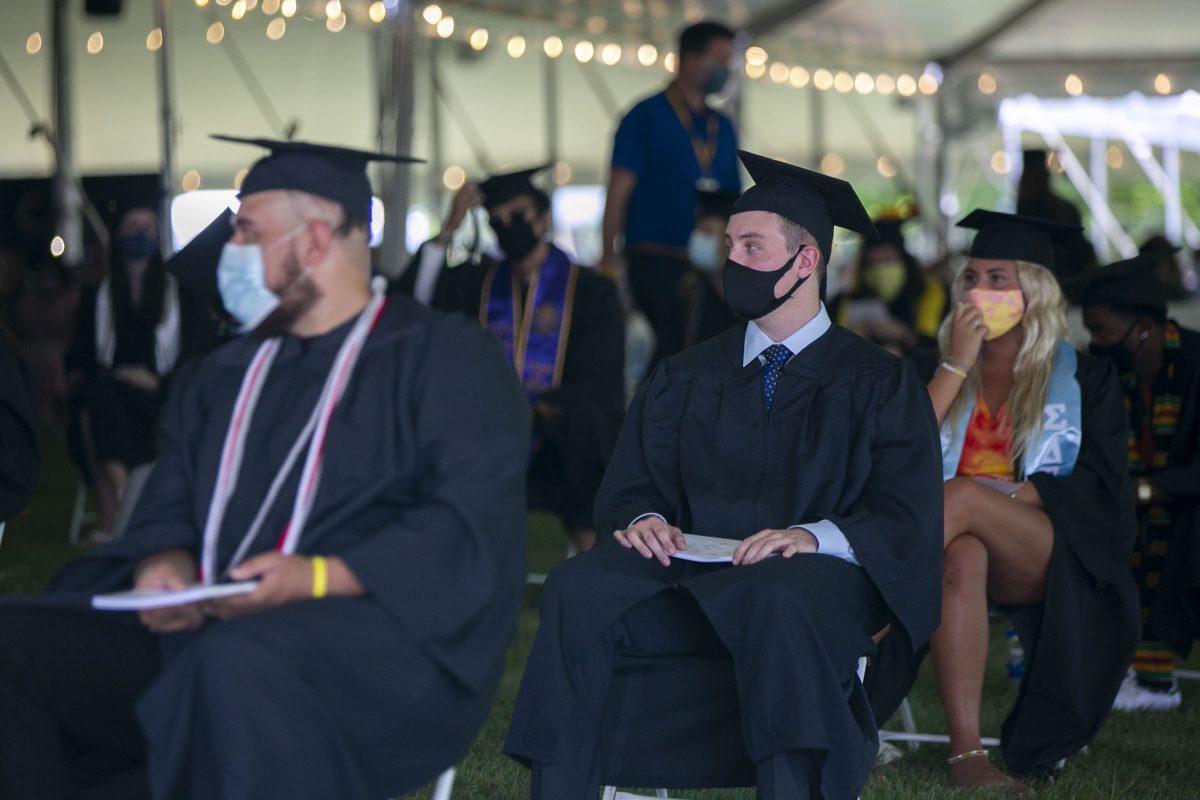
(353, 218)
(796, 237)
(694, 39)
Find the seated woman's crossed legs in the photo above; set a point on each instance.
(998, 548)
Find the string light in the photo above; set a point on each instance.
(1114, 157)
(154, 39)
(191, 180)
(336, 24)
(779, 72)
(1001, 163)
(823, 79)
(215, 33)
(57, 246)
(553, 46)
(377, 12)
(201, 3)
(95, 43)
(669, 62)
(288, 8)
(647, 54)
(516, 46)
(927, 84)
(239, 9)
(584, 50)
(987, 83)
(33, 44)
(885, 166)
(445, 27)
(478, 39)
(432, 13)
(1162, 83)
(276, 28)
(755, 71)
(251, 4)
(270, 7)
(1074, 85)
(454, 177)
(864, 83)
(885, 84)
(610, 54)
(333, 9)
(843, 82)
(906, 85)
(799, 77)
(223, 2)
(756, 56)
(832, 164)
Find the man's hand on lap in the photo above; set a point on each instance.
(652, 538)
(170, 570)
(281, 579)
(769, 542)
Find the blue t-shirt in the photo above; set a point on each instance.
(652, 144)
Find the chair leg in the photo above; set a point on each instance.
(445, 785)
(610, 793)
(77, 514)
(910, 724)
(662, 794)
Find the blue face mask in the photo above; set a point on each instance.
(241, 279)
(704, 251)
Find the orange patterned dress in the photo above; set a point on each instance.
(987, 446)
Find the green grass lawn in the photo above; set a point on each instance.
(1143, 756)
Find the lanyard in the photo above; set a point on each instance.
(705, 149)
(314, 433)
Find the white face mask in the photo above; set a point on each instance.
(241, 279)
(704, 251)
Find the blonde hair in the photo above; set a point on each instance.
(1044, 324)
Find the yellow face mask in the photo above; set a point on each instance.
(885, 279)
(1002, 311)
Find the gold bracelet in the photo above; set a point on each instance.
(965, 756)
(951, 368)
(320, 577)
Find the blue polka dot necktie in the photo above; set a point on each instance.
(775, 357)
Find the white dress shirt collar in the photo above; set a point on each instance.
(757, 341)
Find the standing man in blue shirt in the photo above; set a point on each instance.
(666, 148)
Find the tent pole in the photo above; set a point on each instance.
(67, 200)
(162, 18)
(396, 131)
(1098, 169)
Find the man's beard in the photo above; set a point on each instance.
(300, 295)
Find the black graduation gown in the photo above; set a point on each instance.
(851, 438)
(1079, 642)
(1175, 613)
(574, 442)
(420, 495)
(20, 457)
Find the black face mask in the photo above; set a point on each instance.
(137, 246)
(751, 292)
(1118, 353)
(516, 239)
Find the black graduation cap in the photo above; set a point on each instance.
(1016, 237)
(811, 199)
(195, 265)
(1130, 284)
(499, 189)
(715, 204)
(335, 173)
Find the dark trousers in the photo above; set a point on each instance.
(654, 279)
(68, 683)
(671, 626)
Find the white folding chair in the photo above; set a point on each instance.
(79, 514)
(445, 785)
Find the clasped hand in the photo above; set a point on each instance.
(654, 538)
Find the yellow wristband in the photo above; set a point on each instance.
(320, 572)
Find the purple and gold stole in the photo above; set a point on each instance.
(533, 335)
